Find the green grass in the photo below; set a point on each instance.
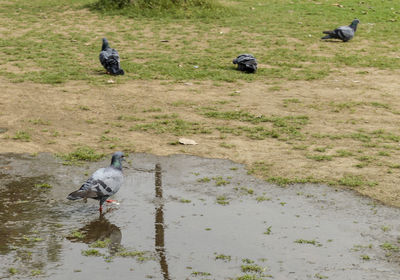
(12, 270)
(355, 181)
(219, 181)
(304, 241)
(100, 243)
(43, 187)
(200, 273)
(222, 200)
(177, 127)
(223, 257)
(254, 268)
(262, 198)
(320, 157)
(81, 154)
(365, 257)
(76, 235)
(276, 39)
(36, 272)
(204, 180)
(22, 136)
(91, 252)
(390, 247)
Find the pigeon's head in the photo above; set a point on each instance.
(354, 24)
(105, 44)
(116, 160)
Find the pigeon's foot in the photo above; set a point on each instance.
(112, 201)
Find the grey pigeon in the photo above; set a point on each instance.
(109, 58)
(103, 183)
(344, 33)
(246, 63)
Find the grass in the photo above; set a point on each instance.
(100, 243)
(268, 231)
(204, 180)
(176, 127)
(390, 247)
(91, 252)
(223, 257)
(81, 154)
(22, 136)
(219, 181)
(222, 200)
(254, 268)
(76, 235)
(355, 181)
(43, 187)
(312, 242)
(365, 257)
(45, 57)
(12, 270)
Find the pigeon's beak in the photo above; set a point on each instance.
(123, 158)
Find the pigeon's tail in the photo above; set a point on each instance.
(120, 72)
(330, 35)
(78, 195)
(117, 71)
(326, 37)
(74, 195)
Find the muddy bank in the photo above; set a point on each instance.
(195, 218)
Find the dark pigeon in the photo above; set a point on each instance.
(103, 183)
(344, 33)
(109, 58)
(246, 63)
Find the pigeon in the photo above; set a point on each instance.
(246, 63)
(344, 33)
(109, 58)
(103, 183)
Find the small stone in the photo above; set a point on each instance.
(185, 141)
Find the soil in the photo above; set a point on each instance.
(60, 118)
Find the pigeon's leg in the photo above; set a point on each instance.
(101, 203)
(110, 200)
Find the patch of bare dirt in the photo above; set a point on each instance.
(60, 118)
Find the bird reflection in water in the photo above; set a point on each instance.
(100, 230)
(159, 224)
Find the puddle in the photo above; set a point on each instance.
(184, 217)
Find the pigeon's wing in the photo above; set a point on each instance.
(104, 182)
(110, 180)
(243, 58)
(246, 62)
(344, 33)
(109, 58)
(104, 55)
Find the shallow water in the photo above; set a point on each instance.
(170, 225)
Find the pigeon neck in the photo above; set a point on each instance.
(116, 163)
(104, 46)
(353, 26)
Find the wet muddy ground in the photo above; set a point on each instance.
(184, 217)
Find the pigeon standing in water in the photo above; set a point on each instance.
(103, 183)
(344, 33)
(246, 63)
(109, 58)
